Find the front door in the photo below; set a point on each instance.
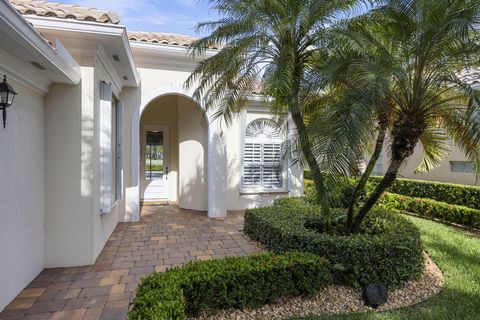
(154, 163)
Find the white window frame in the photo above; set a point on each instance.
(283, 172)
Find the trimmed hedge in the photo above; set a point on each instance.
(387, 250)
(429, 208)
(463, 195)
(235, 282)
(403, 197)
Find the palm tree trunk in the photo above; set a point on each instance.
(386, 182)
(405, 134)
(368, 171)
(306, 147)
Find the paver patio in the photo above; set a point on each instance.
(166, 236)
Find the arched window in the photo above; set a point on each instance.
(262, 168)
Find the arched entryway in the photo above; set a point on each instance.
(214, 156)
(173, 152)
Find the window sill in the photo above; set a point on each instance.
(260, 192)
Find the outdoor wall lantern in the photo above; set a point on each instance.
(7, 94)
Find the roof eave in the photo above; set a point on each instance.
(88, 28)
(26, 34)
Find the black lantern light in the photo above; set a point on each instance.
(7, 94)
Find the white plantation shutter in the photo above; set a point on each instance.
(253, 173)
(262, 157)
(253, 153)
(107, 195)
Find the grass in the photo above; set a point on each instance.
(457, 253)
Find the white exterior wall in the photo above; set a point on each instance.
(442, 173)
(22, 163)
(192, 156)
(75, 231)
(69, 185)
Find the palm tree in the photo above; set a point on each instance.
(367, 96)
(427, 45)
(269, 43)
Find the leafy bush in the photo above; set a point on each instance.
(387, 250)
(429, 208)
(307, 174)
(468, 196)
(235, 282)
(340, 194)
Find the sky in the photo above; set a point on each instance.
(174, 16)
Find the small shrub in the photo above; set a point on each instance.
(429, 208)
(468, 196)
(235, 282)
(388, 249)
(307, 174)
(340, 194)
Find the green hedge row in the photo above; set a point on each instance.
(387, 250)
(463, 195)
(429, 208)
(235, 282)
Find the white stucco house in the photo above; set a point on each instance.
(101, 123)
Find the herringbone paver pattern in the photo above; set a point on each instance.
(166, 236)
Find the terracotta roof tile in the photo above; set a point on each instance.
(163, 38)
(72, 11)
(64, 11)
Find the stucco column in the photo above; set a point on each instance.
(217, 171)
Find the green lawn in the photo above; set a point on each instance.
(458, 254)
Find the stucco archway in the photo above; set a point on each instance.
(216, 161)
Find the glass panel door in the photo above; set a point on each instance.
(154, 165)
(154, 168)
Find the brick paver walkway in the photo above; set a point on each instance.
(165, 236)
